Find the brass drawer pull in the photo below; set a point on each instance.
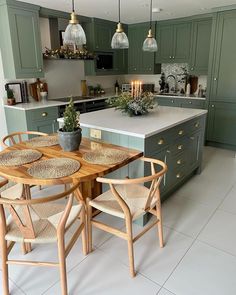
(179, 162)
(178, 175)
(44, 114)
(197, 124)
(161, 141)
(192, 137)
(181, 132)
(180, 147)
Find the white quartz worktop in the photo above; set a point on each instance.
(53, 103)
(180, 96)
(158, 120)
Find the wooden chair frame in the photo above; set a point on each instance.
(154, 190)
(63, 250)
(11, 137)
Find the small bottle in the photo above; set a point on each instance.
(188, 89)
(116, 88)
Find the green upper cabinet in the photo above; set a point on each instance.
(20, 40)
(223, 77)
(201, 38)
(174, 41)
(140, 62)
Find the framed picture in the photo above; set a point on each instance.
(62, 33)
(17, 90)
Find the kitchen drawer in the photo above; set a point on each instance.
(179, 161)
(174, 176)
(43, 114)
(196, 124)
(158, 142)
(179, 146)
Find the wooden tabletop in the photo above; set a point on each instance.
(87, 171)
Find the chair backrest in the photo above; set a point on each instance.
(17, 137)
(155, 179)
(23, 214)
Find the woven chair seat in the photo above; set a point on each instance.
(134, 195)
(45, 220)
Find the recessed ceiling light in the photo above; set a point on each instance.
(156, 10)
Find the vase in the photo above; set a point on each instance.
(70, 141)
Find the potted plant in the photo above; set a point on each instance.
(10, 97)
(69, 136)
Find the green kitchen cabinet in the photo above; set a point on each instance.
(174, 40)
(192, 103)
(20, 40)
(120, 61)
(221, 127)
(43, 119)
(140, 62)
(168, 101)
(223, 76)
(200, 46)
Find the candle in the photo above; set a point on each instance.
(140, 88)
(132, 88)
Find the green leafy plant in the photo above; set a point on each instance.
(10, 93)
(71, 118)
(133, 106)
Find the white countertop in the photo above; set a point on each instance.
(158, 120)
(52, 103)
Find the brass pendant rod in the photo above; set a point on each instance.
(119, 9)
(73, 6)
(151, 15)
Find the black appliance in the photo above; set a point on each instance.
(104, 61)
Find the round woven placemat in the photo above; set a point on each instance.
(105, 156)
(17, 158)
(54, 168)
(43, 141)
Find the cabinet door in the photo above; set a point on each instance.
(103, 32)
(192, 104)
(165, 39)
(200, 46)
(26, 44)
(167, 101)
(148, 58)
(120, 61)
(47, 126)
(193, 151)
(134, 52)
(224, 74)
(222, 123)
(182, 42)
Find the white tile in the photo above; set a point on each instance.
(229, 204)
(100, 236)
(204, 270)
(13, 289)
(152, 261)
(163, 291)
(185, 215)
(220, 232)
(99, 274)
(36, 280)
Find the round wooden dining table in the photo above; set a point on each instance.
(86, 175)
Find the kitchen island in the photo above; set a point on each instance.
(171, 134)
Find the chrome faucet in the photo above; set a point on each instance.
(175, 82)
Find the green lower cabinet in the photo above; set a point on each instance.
(43, 120)
(20, 40)
(181, 102)
(222, 124)
(169, 102)
(192, 103)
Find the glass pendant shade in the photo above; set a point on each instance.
(74, 34)
(119, 39)
(150, 43)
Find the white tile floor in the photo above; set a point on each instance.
(199, 257)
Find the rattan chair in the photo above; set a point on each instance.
(129, 199)
(18, 137)
(40, 221)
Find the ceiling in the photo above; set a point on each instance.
(134, 11)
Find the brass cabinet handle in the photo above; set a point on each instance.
(196, 124)
(40, 70)
(190, 102)
(180, 147)
(44, 114)
(178, 175)
(212, 105)
(173, 57)
(181, 132)
(168, 151)
(172, 101)
(161, 141)
(191, 69)
(215, 79)
(179, 162)
(192, 137)
(170, 57)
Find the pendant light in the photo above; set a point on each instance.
(119, 39)
(150, 43)
(74, 33)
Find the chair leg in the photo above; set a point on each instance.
(62, 265)
(84, 231)
(159, 224)
(130, 247)
(40, 187)
(89, 226)
(5, 281)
